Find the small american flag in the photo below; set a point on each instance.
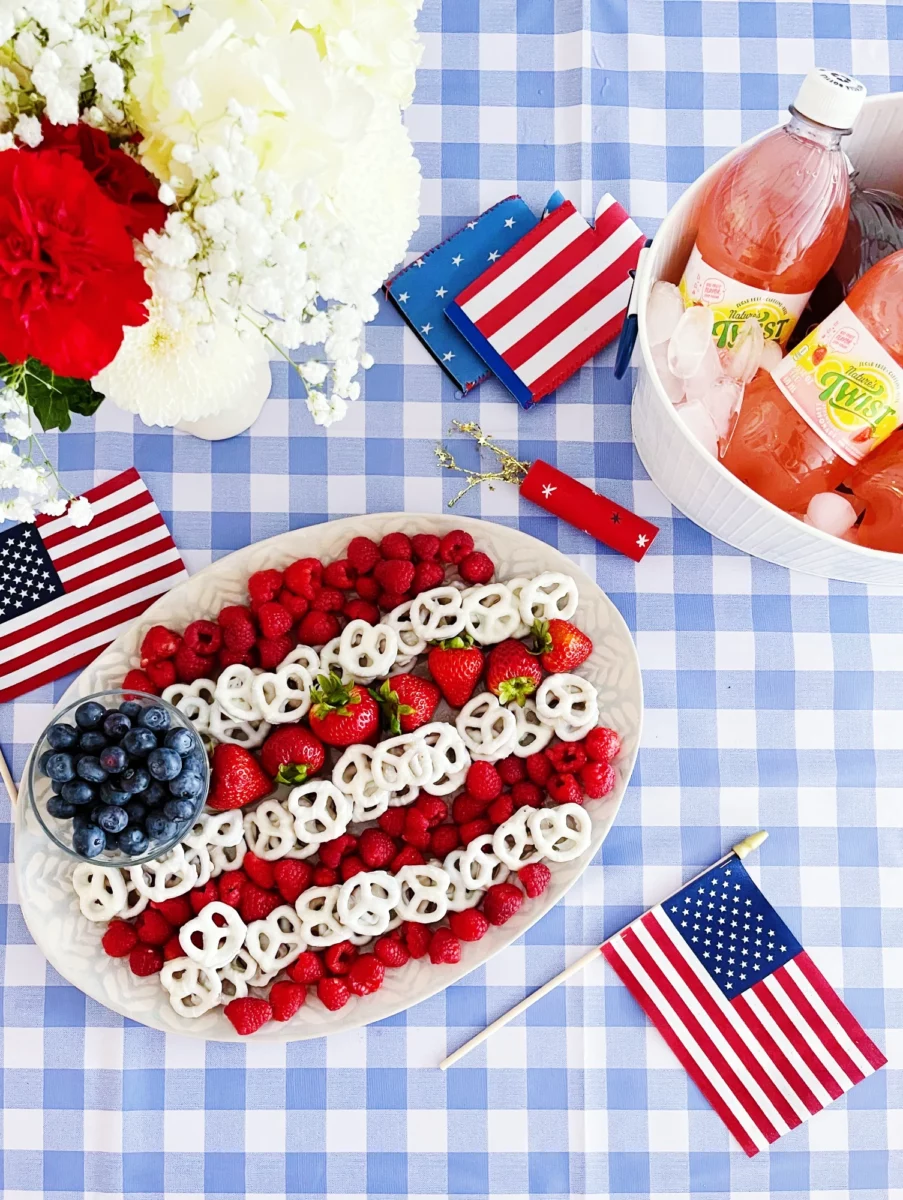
(65, 592)
(554, 300)
(751, 1018)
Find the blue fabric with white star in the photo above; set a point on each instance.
(28, 578)
(423, 290)
(731, 928)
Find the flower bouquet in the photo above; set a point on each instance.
(183, 193)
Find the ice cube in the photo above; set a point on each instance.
(691, 338)
(663, 311)
(745, 356)
(699, 421)
(832, 513)
(706, 375)
(673, 386)
(771, 356)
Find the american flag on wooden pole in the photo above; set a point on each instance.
(66, 592)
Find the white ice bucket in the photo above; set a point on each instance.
(695, 482)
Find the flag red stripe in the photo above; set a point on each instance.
(699, 1034)
(841, 1013)
(678, 1048)
(48, 676)
(108, 543)
(775, 1054)
(817, 1025)
(790, 1031)
(720, 1020)
(55, 541)
(101, 491)
(566, 366)
(122, 563)
(517, 251)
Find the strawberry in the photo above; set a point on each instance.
(229, 886)
(416, 829)
(237, 779)
(342, 714)
(291, 754)
(407, 702)
(561, 646)
(176, 909)
(512, 673)
(456, 665)
(152, 928)
(248, 1013)
(145, 960)
(260, 870)
(292, 877)
(199, 897)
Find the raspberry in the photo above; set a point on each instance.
(474, 829)
(292, 878)
(410, 856)
(239, 637)
(259, 870)
(173, 949)
(296, 605)
(248, 1014)
(597, 779)
(467, 808)
(566, 757)
(427, 575)
(501, 809)
(444, 947)
(394, 575)
(351, 866)
(304, 577)
(535, 878)
(163, 673)
(159, 643)
(199, 898)
(483, 781)
(119, 939)
(203, 637)
(426, 546)
(286, 998)
(396, 546)
(416, 938)
(455, 546)
(389, 601)
(229, 886)
(191, 666)
(539, 768)
(501, 902)
(476, 567)
(361, 610)
(318, 628)
(264, 585)
(433, 808)
(366, 975)
(226, 657)
(325, 877)
(140, 681)
(363, 554)
(416, 829)
(256, 903)
(511, 769)
(235, 614)
(274, 620)
(602, 744)
(376, 848)
(564, 789)
(176, 909)
(327, 600)
(332, 853)
(367, 588)
(152, 928)
(444, 839)
(338, 958)
(392, 822)
(307, 967)
(145, 960)
(469, 925)
(333, 993)
(391, 952)
(339, 574)
(273, 650)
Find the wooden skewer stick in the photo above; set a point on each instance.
(739, 851)
(8, 782)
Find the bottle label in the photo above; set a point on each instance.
(844, 384)
(732, 302)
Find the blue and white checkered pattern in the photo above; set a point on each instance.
(773, 700)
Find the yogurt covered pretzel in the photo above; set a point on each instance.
(235, 977)
(561, 833)
(194, 701)
(479, 866)
(490, 613)
(569, 704)
(102, 892)
(530, 735)
(402, 764)
(270, 832)
(306, 656)
(438, 614)
(320, 924)
(424, 893)
(234, 693)
(410, 643)
(512, 842)
(277, 941)
(193, 988)
(486, 727)
(283, 695)
(213, 943)
(235, 732)
(548, 596)
(366, 902)
(449, 756)
(166, 877)
(227, 858)
(320, 811)
(367, 651)
(515, 587)
(353, 775)
(216, 829)
(459, 895)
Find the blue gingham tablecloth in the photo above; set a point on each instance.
(773, 700)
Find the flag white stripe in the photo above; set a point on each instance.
(828, 1017)
(720, 1041)
(813, 1041)
(63, 524)
(112, 554)
(702, 1060)
(603, 206)
(569, 339)
(737, 1023)
(821, 1094)
(99, 533)
(517, 274)
(569, 285)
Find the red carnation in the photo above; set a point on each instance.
(69, 280)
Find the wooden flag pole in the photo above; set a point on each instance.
(739, 851)
(8, 782)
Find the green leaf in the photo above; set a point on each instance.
(53, 397)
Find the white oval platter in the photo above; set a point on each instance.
(72, 944)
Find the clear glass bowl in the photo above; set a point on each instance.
(59, 829)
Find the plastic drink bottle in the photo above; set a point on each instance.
(830, 402)
(878, 484)
(773, 220)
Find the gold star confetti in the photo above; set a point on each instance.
(512, 470)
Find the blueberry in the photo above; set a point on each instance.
(136, 811)
(77, 792)
(88, 840)
(89, 768)
(80, 820)
(91, 742)
(56, 787)
(111, 792)
(186, 783)
(115, 724)
(62, 737)
(164, 764)
(154, 718)
(94, 813)
(58, 807)
(134, 779)
(179, 810)
(90, 715)
(133, 840)
(112, 818)
(44, 760)
(114, 759)
(159, 827)
(155, 793)
(183, 741)
(60, 766)
(139, 742)
(130, 709)
(196, 761)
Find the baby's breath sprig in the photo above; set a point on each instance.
(512, 470)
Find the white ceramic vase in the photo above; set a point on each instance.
(240, 416)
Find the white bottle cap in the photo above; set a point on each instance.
(830, 98)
